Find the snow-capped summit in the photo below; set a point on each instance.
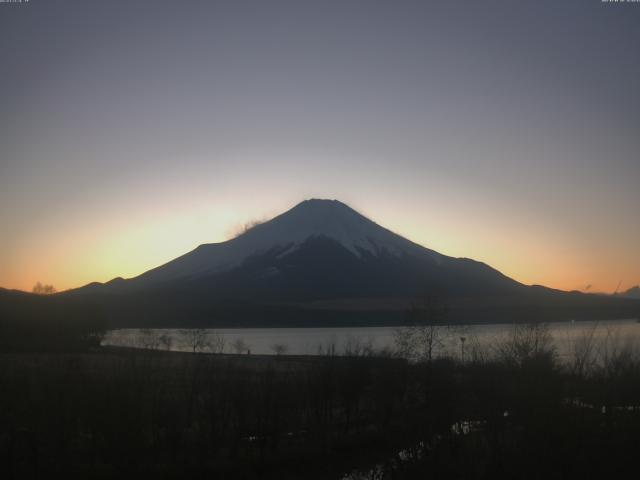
(332, 219)
(314, 218)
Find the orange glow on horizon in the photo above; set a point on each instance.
(79, 254)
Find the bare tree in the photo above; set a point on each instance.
(475, 350)
(423, 339)
(166, 340)
(328, 348)
(617, 354)
(405, 341)
(279, 348)
(41, 289)
(196, 338)
(149, 339)
(239, 345)
(216, 342)
(585, 351)
(526, 342)
(358, 347)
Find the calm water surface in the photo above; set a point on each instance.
(312, 341)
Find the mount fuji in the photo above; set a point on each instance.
(319, 263)
(319, 249)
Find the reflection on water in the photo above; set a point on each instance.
(454, 341)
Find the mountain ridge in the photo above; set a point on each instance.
(287, 232)
(633, 292)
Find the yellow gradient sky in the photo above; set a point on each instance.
(131, 132)
(70, 251)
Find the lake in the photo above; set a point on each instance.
(313, 341)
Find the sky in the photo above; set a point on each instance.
(507, 132)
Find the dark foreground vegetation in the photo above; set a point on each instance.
(515, 412)
(71, 408)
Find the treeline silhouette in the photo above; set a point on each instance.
(514, 411)
(46, 323)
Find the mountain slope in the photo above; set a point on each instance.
(318, 249)
(286, 233)
(633, 292)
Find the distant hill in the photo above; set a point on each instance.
(30, 322)
(633, 292)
